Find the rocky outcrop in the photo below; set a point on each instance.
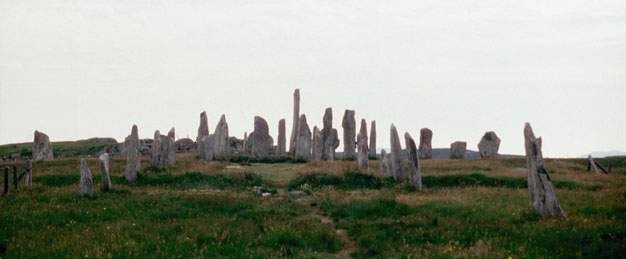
(349, 134)
(363, 153)
(260, 139)
(42, 148)
(296, 120)
(303, 145)
(426, 147)
(489, 145)
(397, 162)
(85, 186)
(133, 157)
(415, 174)
(457, 150)
(221, 144)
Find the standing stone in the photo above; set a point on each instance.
(282, 139)
(205, 147)
(170, 147)
(245, 143)
(384, 164)
(157, 150)
(203, 129)
(221, 144)
(303, 145)
(85, 187)
(28, 178)
(489, 145)
(296, 120)
(333, 144)
(133, 157)
(457, 149)
(349, 134)
(363, 155)
(327, 130)
(104, 169)
(372, 146)
(260, 138)
(426, 147)
(415, 173)
(397, 162)
(318, 144)
(543, 199)
(42, 148)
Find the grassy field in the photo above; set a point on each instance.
(59, 149)
(469, 208)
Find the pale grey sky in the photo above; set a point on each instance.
(78, 69)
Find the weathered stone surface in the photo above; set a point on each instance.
(296, 119)
(489, 145)
(205, 148)
(384, 163)
(28, 178)
(170, 147)
(104, 169)
(133, 157)
(282, 138)
(331, 145)
(457, 149)
(415, 173)
(372, 145)
(42, 148)
(327, 131)
(236, 145)
(318, 144)
(157, 150)
(246, 143)
(426, 147)
(349, 134)
(85, 187)
(543, 198)
(397, 162)
(303, 145)
(203, 129)
(221, 144)
(260, 138)
(362, 157)
(185, 145)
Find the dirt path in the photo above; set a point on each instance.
(349, 245)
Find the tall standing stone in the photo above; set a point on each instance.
(318, 144)
(426, 147)
(282, 138)
(170, 148)
(157, 150)
(397, 162)
(85, 187)
(543, 199)
(415, 173)
(203, 140)
(104, 169)
(133, 157)
(303, 145)
(334, 138)
(384, 164)
(28, 178)
(362, 157)
(246, 143)
(221, 144)
(489, 145)
(42, 148)
(372, 146)
(457, 149)
(296, 120)
(260, 138)
(349, 134)
(329, 136)
(203, 129)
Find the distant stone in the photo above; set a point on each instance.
(282, 138)
(104, 169)
(363, 153)
(133, 157)
(543, 198)
(221, 144)
(397, 162)
(426, 147)
(489, 145)
(303, 145)
(349, 135)
(99, 140)
(457, 150)
(184, 145)
(260, 138)
(384, 163)
(372, 145)
(328, 142)
(296, 193)
(332, 145)
(415, 174)
(318, 144)
(246, 143)
(296, 119)
(157, 150)
(42, 148)
(85, 187)
(205, 148)
(203, 129)
(170, 147)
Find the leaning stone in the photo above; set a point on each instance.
(349, 135)
(85, 187)
(282, 145)
(415, 173)
(42, 148)
(260, 138)
(133, 157)
(303, 145)
(457, 150)
(372, 145)
(384, 164)
(296, 119)
(221, 144)
(397, 162)
(426, 147)
(157, 150)
(318, 144)
(489, 145)
(543, 198)
(170, 147)
(104, 169)
(362, 157)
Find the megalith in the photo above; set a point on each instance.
(260, 138)
(318, 144)
(372, 145)
(303, 145)
(104, 169)
(296, 120)
(133, 157)
(42, 148)
(349, 134)
(489, 145)
(384, 164)
(157, 150)
(397, 162)
(282, 145)
(85, 186)
(363, 153)
(457, 150)
(415, 174)
(170, 147)
(426, 147)
(221, 144)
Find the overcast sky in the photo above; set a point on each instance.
(78, 69)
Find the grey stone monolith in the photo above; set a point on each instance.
(296, 120)
(457, 150)
(397, 161)
(42, 148)
(205, 148)
(104, 170)
(318, 144)
(384, 163)
(221, 144)
(203, 129)
(28, 178)
(426, 147)
(333, 144)
(157, 150)
(133, 157)
(363, 153)
(415, 173)
(543, 198)
(489, 145)
(282, 138)
(372, 145)
(303, 145)
(85, 186)
(170, 146)
(329, 136)
(246, 143)
(349, 134)
(260, 139)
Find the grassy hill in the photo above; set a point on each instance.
(469, 208)
(59, 149)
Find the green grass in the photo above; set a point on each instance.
(65, 148)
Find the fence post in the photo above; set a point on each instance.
(6, 180)
(15, 176)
